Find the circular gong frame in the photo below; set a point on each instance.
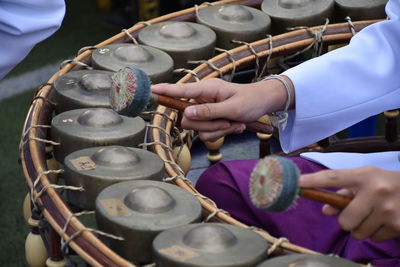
(33, 155)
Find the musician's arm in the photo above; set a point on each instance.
(347, 85)
(24, 23)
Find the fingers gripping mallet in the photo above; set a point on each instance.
(274, 186)
(130, 95)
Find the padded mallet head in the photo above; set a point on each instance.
(274, 183)
(130, 91)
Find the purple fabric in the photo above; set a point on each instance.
(227, 183)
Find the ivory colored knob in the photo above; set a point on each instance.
(182, 157)
(51, 263)
(215, 145)
(35, 251)
(214, 155)
(26, 207)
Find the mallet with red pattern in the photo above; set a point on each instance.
(274, 186)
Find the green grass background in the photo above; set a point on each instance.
(83, 25)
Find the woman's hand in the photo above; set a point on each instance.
(375, 210)
(224, 107)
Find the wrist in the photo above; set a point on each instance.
(277, 93)
(280, 97)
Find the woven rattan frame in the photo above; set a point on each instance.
(32, 152)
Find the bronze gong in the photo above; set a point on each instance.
(82, 89)
(139, 210)
(183, 41)
(360, 9)
(98, 167)
(235, 22)
(156, 63)
(209, 244)
(81, 128)
(290, 13)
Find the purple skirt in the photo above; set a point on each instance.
(227, 183)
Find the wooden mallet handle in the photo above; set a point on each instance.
(180, 105)
(331, 198)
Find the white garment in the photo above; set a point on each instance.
(23, 24)
(347, 85)
(388, 160)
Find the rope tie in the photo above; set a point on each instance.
(351, 25)
(318, 38)
(26, 132)
(76, 62)
(40, 140)
(33, 127)
(194, 74)
(86, 48)
(206, 199)
(317, 42)
(56, 186)
(230, 56)
(214, 213)
(172, 163)
(45, 99)
(173, 178)
(265, 67)
(278, 242)
(161, 130)
(79, 232)
(130, 36)
(253, 51)
(37, 180)
(155, 144)
(210, 64)
(161, 114)
(64, 229)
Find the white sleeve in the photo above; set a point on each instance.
(347, 85)
(24, 23)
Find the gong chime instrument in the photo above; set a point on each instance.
(96, 145)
